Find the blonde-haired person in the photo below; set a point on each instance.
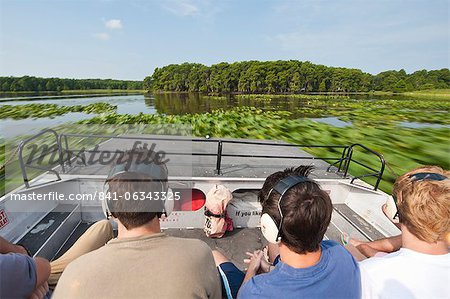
(421, 267)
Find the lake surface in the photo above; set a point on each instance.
(170, 104)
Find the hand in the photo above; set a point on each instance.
(22, 249)
(254, 262)
(356, 242)
(40, 291)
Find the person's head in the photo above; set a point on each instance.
(133, 190)
(423, 201)
(306, 210)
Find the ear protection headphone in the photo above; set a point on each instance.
(157, 173)
(269, 228)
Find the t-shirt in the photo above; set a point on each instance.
(17, 275)
(155, 266)
(336, 275)
(406, 274)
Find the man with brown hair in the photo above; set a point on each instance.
(142, 262)
(421, 267)
(296, 213)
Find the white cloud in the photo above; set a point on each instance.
(114, 24)
(182, 8)
(102, 36)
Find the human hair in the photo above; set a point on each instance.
(306, 210)
(424, 204)
(132, 194)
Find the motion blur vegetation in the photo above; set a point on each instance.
(404, 148)
(50, 110)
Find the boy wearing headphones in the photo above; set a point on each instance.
(142, 262)
(420, 265)
(295, 215)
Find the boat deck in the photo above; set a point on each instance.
(239, 162)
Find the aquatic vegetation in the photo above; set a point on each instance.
(365, 112)
(375, 122)
(50, 110)
(269, 97)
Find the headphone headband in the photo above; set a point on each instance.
(427, 176)
(156, 171)
(287, 183)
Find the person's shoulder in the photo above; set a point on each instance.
(190, 244)
(88, 260)
(17, 263)
(335, 249)
(382, 263)
(252, 288)
(329, 244)
(15, 259)
(21, 278)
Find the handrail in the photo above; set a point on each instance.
(378, 174)
(343, 162)
(23, 165)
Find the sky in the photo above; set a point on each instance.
(128, 39)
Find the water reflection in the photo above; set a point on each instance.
(191, 103)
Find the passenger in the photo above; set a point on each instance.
(295, 216)
(142, 262)
(22, 276)
(93, 238)
(421, 267)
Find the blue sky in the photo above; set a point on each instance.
(128, 39)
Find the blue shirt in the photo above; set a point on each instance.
(336, 275)
(17, 275)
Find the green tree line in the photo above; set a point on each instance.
(27, 83)
(287, 76)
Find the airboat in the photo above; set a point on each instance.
(48, 228)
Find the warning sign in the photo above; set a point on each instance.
(3, 218)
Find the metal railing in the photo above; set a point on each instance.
(24, 166)
(341, 163)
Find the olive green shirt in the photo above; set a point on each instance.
(156, 266)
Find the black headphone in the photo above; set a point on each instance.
(269, 228)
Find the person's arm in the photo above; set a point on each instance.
(7, 247)
(390, 244)
(40, 292)
(42, 265)
(43, 270)
(254, 264)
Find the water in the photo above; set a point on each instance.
(416, 125)
(174, 104)
(334, 121)
(10, 128)
(131, 104)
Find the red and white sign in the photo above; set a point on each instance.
(3, 218)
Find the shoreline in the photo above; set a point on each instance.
(33, 95)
